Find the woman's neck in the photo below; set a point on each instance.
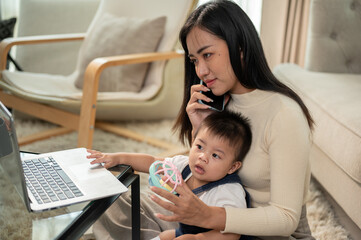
(240, 89)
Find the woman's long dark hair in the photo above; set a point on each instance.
(229, 22)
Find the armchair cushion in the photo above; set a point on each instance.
(117, 36)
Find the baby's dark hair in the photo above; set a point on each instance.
(232, 127)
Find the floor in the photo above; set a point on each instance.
(342, 217)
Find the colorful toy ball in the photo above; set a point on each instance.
(167, 169)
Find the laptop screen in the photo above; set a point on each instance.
(10, 162)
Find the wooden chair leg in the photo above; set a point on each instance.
(88, 105)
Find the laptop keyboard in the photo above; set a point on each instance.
(47, 181)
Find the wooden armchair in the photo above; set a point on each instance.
(86, 111)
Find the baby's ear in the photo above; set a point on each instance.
(235, 166)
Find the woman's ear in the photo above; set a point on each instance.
(235, 166)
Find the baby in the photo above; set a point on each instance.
(218, 149)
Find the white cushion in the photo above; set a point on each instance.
(118, 36)
(58, 86)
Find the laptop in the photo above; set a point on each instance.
(52, 180)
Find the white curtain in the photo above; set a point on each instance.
(284, 32)
(253, 8)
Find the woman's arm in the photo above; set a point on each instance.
(210, 235)
(139, 161)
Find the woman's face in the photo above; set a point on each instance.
(210, 56)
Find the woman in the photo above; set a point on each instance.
(224, 51)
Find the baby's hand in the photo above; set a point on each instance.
(100, 157)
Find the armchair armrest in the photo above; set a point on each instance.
(8, 43)
(96, 66)
(91, 84)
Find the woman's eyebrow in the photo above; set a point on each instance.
(200, 50)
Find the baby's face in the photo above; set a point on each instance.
(211, 158)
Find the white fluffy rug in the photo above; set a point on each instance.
(320, 214)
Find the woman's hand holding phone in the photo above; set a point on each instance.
(197, 109)
(217, 103)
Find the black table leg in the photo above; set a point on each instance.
(136, 208)
(96, 208)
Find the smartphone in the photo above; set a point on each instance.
(218, 101)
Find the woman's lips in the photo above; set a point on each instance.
(210, 82)
(198, 169)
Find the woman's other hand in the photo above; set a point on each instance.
(105, 158)
(188, 208)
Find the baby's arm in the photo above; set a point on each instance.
(139, 161)
(210, 235)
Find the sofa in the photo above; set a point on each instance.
(330, 85)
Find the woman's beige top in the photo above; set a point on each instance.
(276, 171)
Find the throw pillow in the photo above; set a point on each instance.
(113, 36)
(7, 28)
